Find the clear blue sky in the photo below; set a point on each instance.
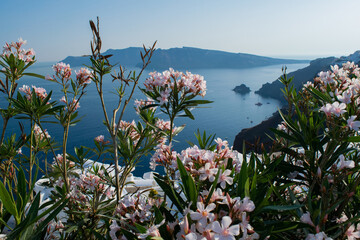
(58, 28)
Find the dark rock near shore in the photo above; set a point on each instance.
(242, 89)
(258, 135)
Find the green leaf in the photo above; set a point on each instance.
(8, 201)
(50, 217)
(188, 183)
(34, 75)
(141, 229)
(189, 114)
(353, 139)
(282, 207)
(170, 192)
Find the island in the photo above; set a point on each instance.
(184, 58)
(242, 89)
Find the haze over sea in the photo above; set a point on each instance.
(226, 116)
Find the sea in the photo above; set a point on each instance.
(229, 113)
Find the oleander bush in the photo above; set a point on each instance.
(306, 187)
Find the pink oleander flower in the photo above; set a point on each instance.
(308, 84)
(39, 91)
(100, 138)
(282, 127)
(335, 108)
(165, 82)
(63, 99)
(152, 231)
(318, 236)
(342, 219)
(60, 159)
(19, 53)
(62, 70)
(83, 76)
(207, 172)
(326, 77)
(351, 233)
(335, 69)
(185, 230)
(164, 95)
(164, 156)
(352, 124)
(224, 178)
(247, 205)
(345, 97)
(74, 105)
(130, 127)
(221, 143)
(114, 228)
(19, 151)
(142, 103)
(348, 65)
(345, 163)
(202, 214)
(39, 134)
(225, 231)
(306, 218)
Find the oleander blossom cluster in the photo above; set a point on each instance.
(135, 209)
(162, 84)
(139, 104)
(63, 72)
(60, 159)
(15, 49)
(83, 76)
(39, 91)
(344, 85)
(73, 104)
(129, 129)
(54, 230)
(39, 134)
(202, 164)
(222, 217)
(84, 189)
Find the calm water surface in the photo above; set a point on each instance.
(226, 116)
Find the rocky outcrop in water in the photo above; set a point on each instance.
(242, 89)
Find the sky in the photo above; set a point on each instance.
(299, 29)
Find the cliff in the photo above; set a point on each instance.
(303, 75)
(260, 133)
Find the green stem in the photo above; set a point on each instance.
(31, 156)
(6, 119)
(65, 137)
(117, 180)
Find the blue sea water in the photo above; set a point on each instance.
(226, 116)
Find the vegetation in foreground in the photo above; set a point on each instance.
(306, 187)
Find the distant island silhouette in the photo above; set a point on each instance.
(185, 58)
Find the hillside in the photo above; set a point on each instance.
(185, 58)
(259, 133)
(303, 75)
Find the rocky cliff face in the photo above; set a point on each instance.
(259, 134)
(303, 75)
